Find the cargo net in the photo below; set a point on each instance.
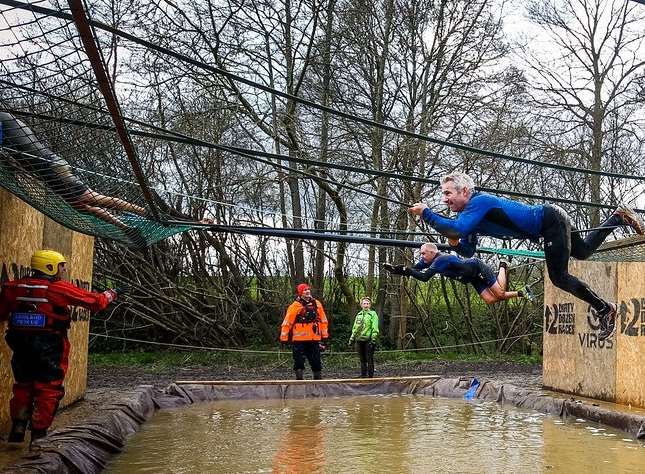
(628, 249)
(59, 150)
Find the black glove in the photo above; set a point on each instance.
(122, 290)
(394, 269)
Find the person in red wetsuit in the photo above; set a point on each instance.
(38, 309)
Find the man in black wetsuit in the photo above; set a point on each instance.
(21, 150)
(491, 287)
(22, 153)
(484, 214)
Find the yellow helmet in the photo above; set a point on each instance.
(46, 261)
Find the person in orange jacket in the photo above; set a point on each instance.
(37, 309)
(305, 327)
(299, 451)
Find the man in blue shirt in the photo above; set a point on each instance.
(485, 214)
(491, 287)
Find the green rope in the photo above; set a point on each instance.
(513, 252)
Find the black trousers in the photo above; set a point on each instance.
(560, 243)
(366, 354)
(309, 350)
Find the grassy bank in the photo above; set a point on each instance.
(164, 360)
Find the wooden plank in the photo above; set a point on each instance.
(297, 382)
(559, 339)
(56, 237)
(595, 374)
(630, 330)
(80, 261)
(21, 230)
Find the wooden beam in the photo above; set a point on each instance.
(297, 382)
(622, 243)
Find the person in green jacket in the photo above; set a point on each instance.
(365, 334)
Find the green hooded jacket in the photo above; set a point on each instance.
(365, 327)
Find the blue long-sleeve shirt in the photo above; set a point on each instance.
(449, 266)
(489, 215)
(467, 245)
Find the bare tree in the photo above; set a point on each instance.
(587, 87)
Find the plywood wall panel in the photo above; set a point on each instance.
(630, 370)
(574, 361)
(21, 231)
(24, 230)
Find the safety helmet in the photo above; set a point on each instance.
(46, 261)
(301, 288)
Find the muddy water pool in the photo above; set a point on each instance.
(388, 434)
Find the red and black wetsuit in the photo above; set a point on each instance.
(39, 315)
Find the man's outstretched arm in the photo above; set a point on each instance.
(461, 226)
(420, 275)
(465, 246)
(464, 224)
(408, 271)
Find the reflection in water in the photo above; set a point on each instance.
(389, 434)
(301, 447)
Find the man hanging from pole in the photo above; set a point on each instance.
(305, 327)
(490, 286)
(484, 214)
(39, 315)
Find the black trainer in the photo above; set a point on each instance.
(607, 322)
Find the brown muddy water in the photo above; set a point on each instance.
(385, 434)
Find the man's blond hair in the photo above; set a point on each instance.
(461, 180)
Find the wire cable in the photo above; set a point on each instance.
(308, 103)
(328, 353)
(172, 136)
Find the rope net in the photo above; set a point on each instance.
(60, 152)
(628, 249)
(77, 176)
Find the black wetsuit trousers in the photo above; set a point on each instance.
(366, 354)
(309, 350)
(560, 244)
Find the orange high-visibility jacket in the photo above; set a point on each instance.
(297, 326)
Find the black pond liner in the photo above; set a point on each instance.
(87, 448)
